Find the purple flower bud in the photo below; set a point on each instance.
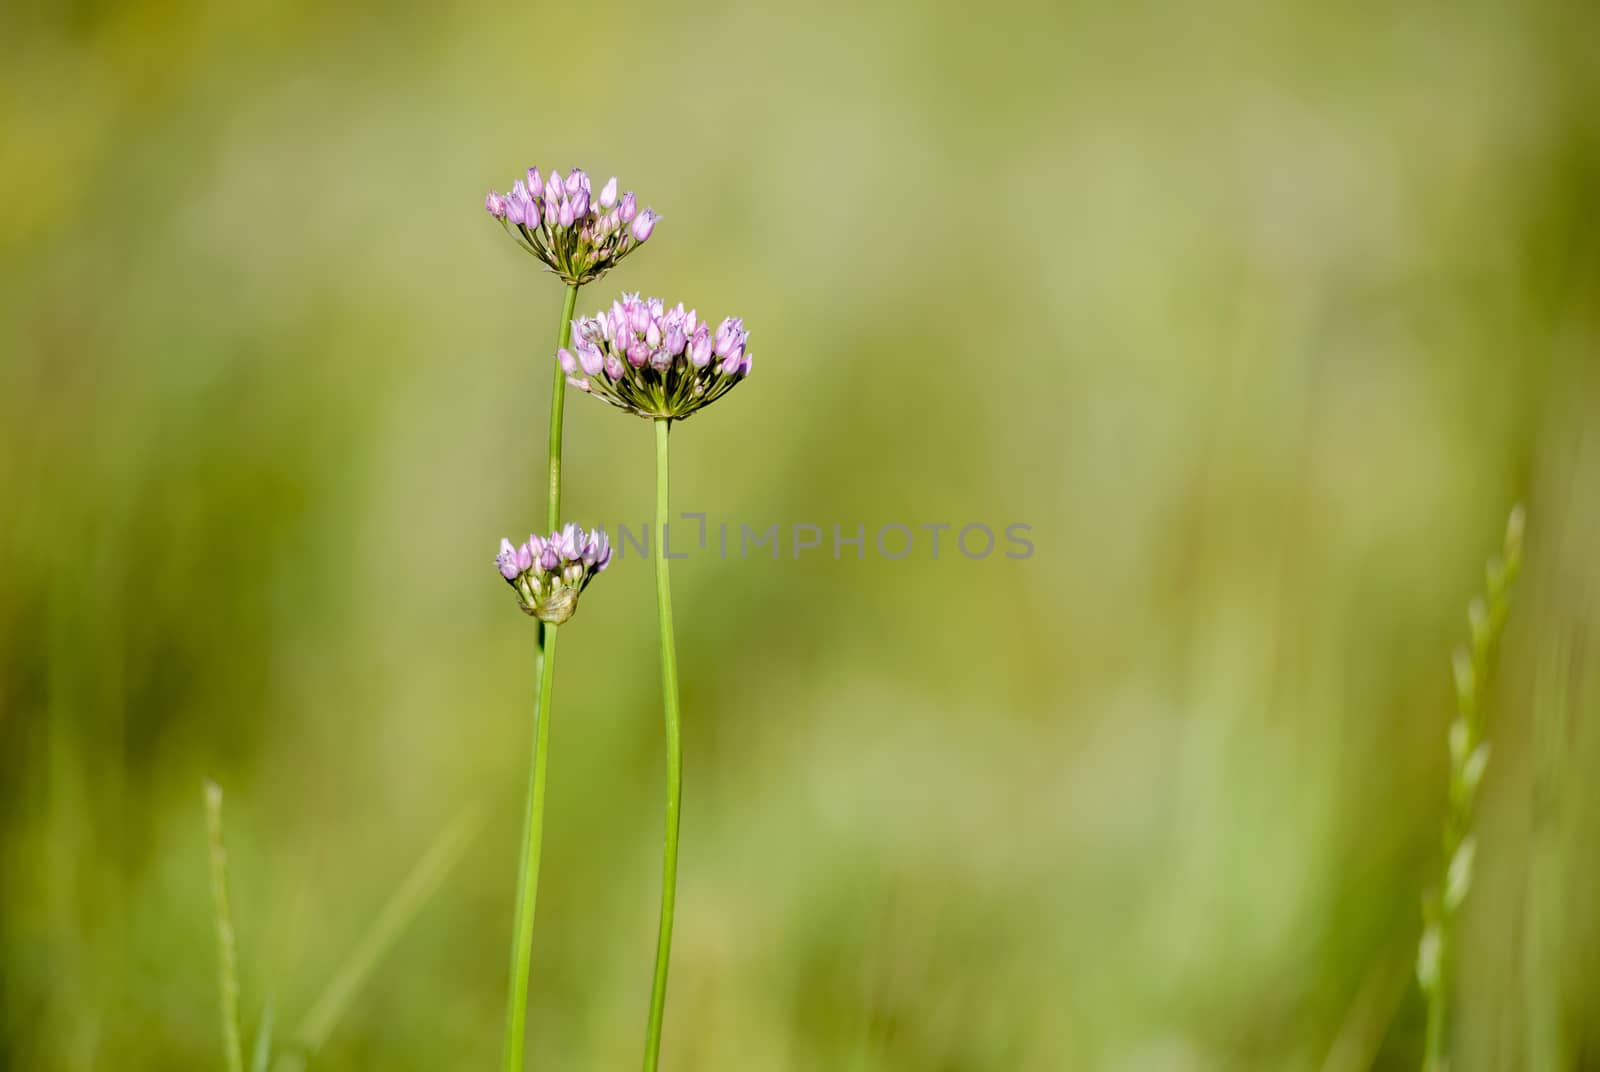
(580, 203)
(565, 214)
(524, 558)
(550, 559)
(535, 184)
(638, 354)
(690, 322)
(604, 560)
(700, 348)
(553, 188)
(572, 540)
(506, 560)
(513, 213)
(638, 316)
(675, 341)
(652, 335)
(608, 193)
(613, 367)
(744, 366)
(730, 363)
(644, 224)
(627, 209)
(569, 364)
(530, 214)
(495, 205)
(519, 192)
(535, 548)
(727, 336)
(590, 358)
(576, 181)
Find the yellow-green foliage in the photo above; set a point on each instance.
(1258, 313)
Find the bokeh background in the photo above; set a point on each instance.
(1262, 316)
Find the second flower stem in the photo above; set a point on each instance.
(545, 671)
(669, 702)
(558, 396)
(528, 872)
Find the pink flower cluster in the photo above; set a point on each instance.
(653, 361)
(550, 572)
(578, 235)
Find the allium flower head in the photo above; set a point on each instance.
(548, 573)
(580, 236)
(653, 361)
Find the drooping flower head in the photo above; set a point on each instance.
(550, 572)
(653, 361)
(578, 235)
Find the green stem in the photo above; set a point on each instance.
(558, 402)
(669, 701)
(528, 885)
(545, 670)
(558, 395)
(227, 956)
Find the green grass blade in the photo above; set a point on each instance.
(227, 953)
(261, 1059)
(397, 914)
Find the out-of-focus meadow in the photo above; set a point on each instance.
(1261, 315)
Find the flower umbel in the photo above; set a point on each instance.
(550, 572)
(578, 235)
(653, 361)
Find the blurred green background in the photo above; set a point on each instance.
(1261, 315)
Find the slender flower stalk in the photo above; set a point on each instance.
(664, 365)
(544, 671)
(528, 869)
(669, 704)
(558, 395)
(1469, 758)
(548, 574)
